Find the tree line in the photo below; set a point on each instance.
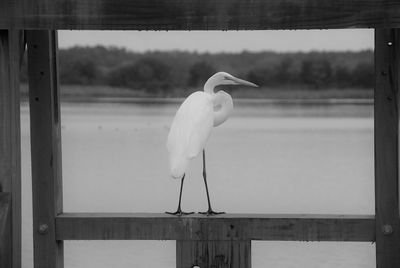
(184, 71)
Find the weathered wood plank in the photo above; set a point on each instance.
(218, 254)
(5, 231)
(45, 147)
(198, 14)
(10, 146)
(147, 226)
(387, 68)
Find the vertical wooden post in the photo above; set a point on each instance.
(45, 147)
(387, 67)
(10, 144)
(216, 254)
(5, 230)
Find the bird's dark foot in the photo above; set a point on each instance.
(179, 212)
(211, 212)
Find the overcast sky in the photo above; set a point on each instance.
(218, 41)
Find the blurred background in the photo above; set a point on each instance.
(301, 143)
(286, 64)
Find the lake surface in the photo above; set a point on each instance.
(267, 158)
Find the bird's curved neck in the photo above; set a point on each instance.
(209, 86)
(223, 107)
(222, 101)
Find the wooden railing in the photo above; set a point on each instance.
(143, 226)
(201, 240)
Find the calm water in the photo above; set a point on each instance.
(266, 158)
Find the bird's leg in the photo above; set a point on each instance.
(179, 211)
(209, 212)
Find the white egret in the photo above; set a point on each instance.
(192, 125)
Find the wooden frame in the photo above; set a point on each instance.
(200, 240)
(11, 45)
(159, 226)
(5, 230)
(198, 14)
(387, 63)
(45, 146)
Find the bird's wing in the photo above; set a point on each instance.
(201, 126)
(192, 125)
(190, 129)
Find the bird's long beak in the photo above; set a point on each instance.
(239, 81)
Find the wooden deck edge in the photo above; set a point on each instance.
(153, 226)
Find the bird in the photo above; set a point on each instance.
(191, 128)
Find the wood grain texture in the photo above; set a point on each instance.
(387, 68)
(10, 144)
(45, 146)
(147, 226)
(198, 14)
(216, 254)
(5, 231)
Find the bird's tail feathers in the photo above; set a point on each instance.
(178, 168)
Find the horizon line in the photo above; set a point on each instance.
(218, 52)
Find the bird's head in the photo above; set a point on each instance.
(223, 78)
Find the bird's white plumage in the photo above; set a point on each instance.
(193, 121)
(189, 131)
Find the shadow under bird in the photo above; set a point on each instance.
(192, 126)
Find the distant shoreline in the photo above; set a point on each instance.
(239, 101)
(260, 96)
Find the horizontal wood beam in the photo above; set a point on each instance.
(153, 226)
(198, 14)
